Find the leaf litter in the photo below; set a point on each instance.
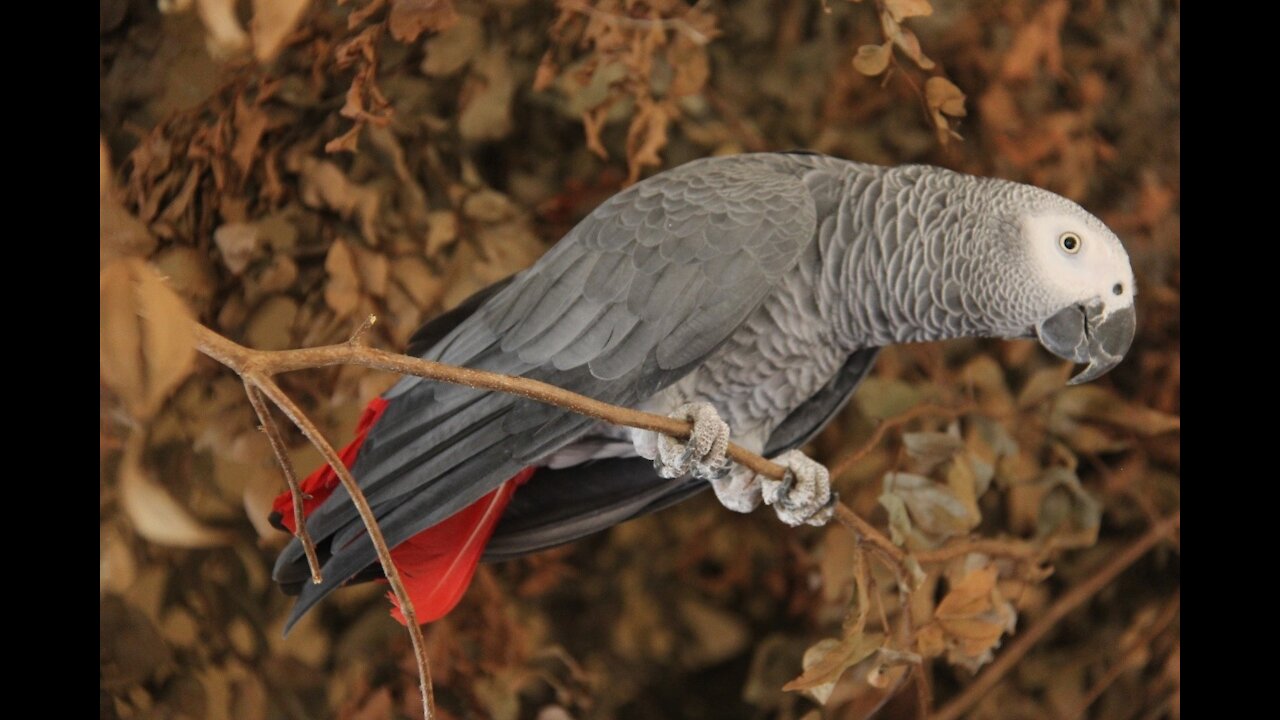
(281, 174)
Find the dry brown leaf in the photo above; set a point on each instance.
(237, 243)
(931, 449)
(828, 659)
(154, 513)
(903, 9)
(105, 177)
(906, 40)
(226, 36)
(1044, 383)
(324, 185)
(998, 109)
(442, 231)
(692, 68)
(250, 124)
(410, 18)
(451, 50)
(147, 345)
(1037, 41)
(414, 275)
(342, 292)
(1091, 402)
(973, 616)
(836, 563)
(645, 139)
(272, 22)
(915, 502)
(985, 375)
(872, 60)
(189, 272)
(488, 206)
(117, 568)
(120, 234)
(270, 327)
(547, 72)
(592, 124)
(373, 269)
(943, 95)
(260, 491)
(486, 98)
(716, 634)
(275, 277)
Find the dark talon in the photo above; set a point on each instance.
(686, 456)
(782, 496)
(720, 472)
(830, 503)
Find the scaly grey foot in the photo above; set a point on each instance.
(703, 454)
(804, 496)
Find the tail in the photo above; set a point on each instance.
(438, 563)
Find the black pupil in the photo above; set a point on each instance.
(1069, 242)
(1118, 289)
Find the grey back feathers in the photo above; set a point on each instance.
(638, 293)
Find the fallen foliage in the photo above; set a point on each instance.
(280, 171)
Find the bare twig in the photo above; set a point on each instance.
(862, 588)
(290, 477)
(1162, 622)
(1071, 600)
(272, 362)
(843, 464)
(866, 531)
(255, 367)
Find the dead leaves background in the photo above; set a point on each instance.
(279, 170)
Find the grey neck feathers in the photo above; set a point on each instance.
(912, 254)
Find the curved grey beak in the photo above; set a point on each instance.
(1081, 334)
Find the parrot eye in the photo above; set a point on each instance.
(1070, 242)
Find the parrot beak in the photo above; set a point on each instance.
(1088, 334)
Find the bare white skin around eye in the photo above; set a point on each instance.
(1092, 272)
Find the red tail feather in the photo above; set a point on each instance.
(438, 563)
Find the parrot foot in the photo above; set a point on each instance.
(703, 454)
(804, 496)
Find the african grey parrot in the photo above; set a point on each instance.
(748, 294)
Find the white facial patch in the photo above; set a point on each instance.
(1097, 268)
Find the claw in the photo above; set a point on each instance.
(721, 472)
(803, 495)
(824, 513)
(703, 453)
(685, 457)
(781, 493)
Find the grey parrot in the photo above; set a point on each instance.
(748, 294)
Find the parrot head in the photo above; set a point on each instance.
(1086, 282)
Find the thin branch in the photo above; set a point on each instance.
(1071, 600)
(866, 531)
(272, 362)
(1162, 622)
(843, 464)
(862, 588)
(299, 418)
(290, 477)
